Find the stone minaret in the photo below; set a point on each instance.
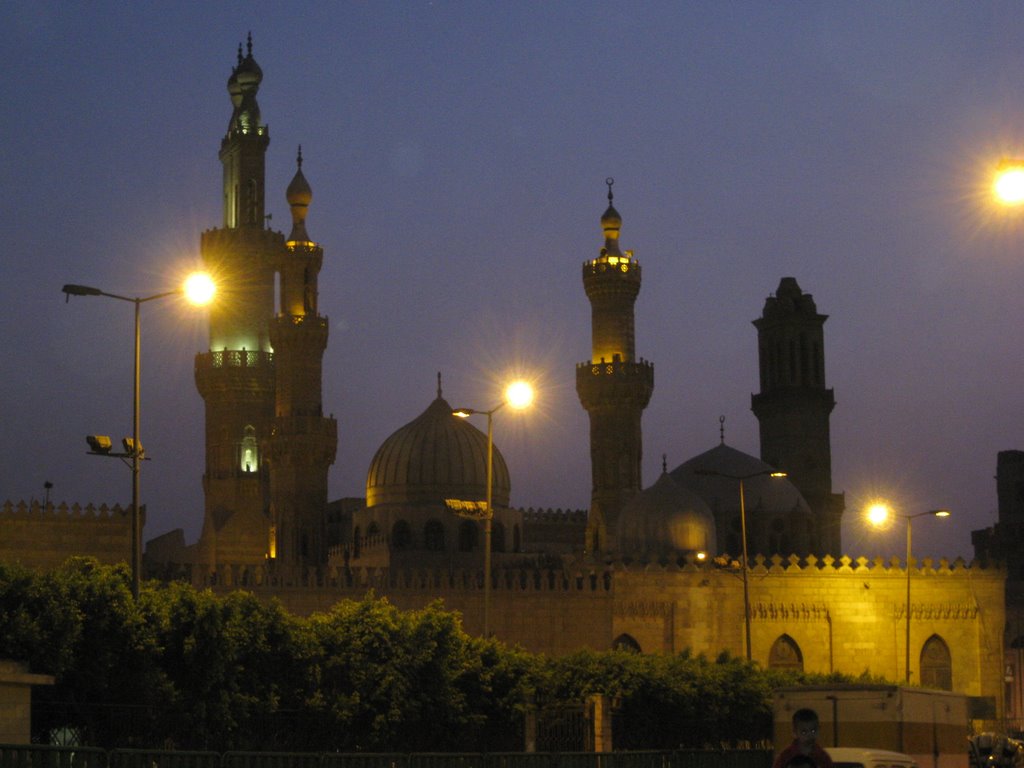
(303, 442)
(613, 386)
(793, 406)
(236, 377)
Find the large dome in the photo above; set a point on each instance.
(434, 457)
(779, 521)
(666, 519)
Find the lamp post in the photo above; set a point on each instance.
(879, 515)
(743, 534)
(198, 289)
(518, 395)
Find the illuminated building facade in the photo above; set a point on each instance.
(613, 386)
(626, 573)
(268, 445)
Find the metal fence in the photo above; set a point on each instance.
(39, 756)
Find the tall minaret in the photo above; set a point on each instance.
(613, 386)
(236, 377)
(793, 406)
(303, 443)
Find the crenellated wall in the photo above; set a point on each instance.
(44, 536)
(839, 615)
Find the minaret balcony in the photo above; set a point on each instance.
(615, 383)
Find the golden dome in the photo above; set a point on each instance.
(434, 457)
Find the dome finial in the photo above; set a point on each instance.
(239, 53)
(721, 429)
(248, 46)
(664, 463)
(610, 181)
(439, 384)
(298, 159)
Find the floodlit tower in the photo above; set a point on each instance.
(793, 406)
(303, 442)
(236, 376)
(613, 386)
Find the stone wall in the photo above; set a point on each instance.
(42, 537)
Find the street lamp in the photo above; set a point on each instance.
(198, 289)
(743, 534)
(880, 515)
(518, 395)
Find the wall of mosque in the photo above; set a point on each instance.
(42, 536)
(822, 615)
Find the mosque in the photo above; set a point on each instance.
(657, 568)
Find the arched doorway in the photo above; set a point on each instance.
(936, 664)
(785, 654)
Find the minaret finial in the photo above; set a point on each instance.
(664, 463)
(610, 181)
(239, 53)
(248, 46)
(299, 158)
(721, 429)
(438, 385)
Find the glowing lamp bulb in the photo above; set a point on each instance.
(519, 394)
(879, 514)
(1009, 185)
(199, 288)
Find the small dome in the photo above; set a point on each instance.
(666, 519)
(434, 457)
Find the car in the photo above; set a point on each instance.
(863, 757)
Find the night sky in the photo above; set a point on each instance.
(457, 153)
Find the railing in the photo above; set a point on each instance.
(38, 756)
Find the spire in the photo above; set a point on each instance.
(611, 223)
(299, 195)
(242, 86)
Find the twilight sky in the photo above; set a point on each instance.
(457, 153)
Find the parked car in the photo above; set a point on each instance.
(861, 757)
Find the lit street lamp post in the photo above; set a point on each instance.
(518, 395)
(743, 534)
(878, 516)
(199, 290)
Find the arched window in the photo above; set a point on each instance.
(401, 535)
(497, 537)
(785, 654)
(517, 541)
(467, 536)
(936, 664)
(357, 541)
(372, 531)
(626, 642)
(433, 536)
(248, 454)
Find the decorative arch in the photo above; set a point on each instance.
(433, 536)
(497, 537)
(785, 654)
(467, 536)
(401, 535)
(936, 664)
(626, 642)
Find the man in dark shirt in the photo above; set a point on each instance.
(805, 742)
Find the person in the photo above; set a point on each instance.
(805, 743)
